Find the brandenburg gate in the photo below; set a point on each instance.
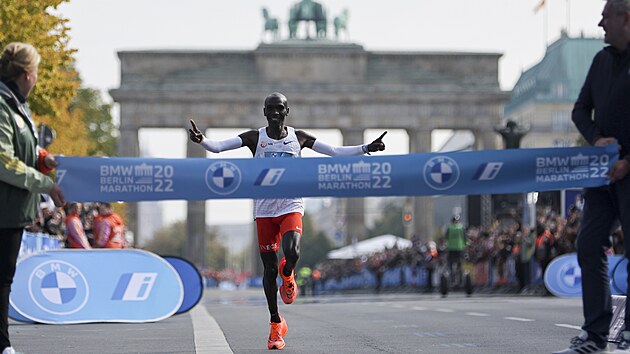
(330, 85)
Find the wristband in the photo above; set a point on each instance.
(365, 149)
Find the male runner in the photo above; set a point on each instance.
(279, 220)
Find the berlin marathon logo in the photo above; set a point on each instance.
(58, 287)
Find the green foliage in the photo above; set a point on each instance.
(97, 117)
(38, 23)
(314, 245)
(389, 223)
(169, 240)
(216, 252)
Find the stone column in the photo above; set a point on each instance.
(195, 247)
(423, 223)
(487, 140)
(129, 146)
(354, 207)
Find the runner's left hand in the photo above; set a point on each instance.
(378, 144)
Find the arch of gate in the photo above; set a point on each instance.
(330, 85)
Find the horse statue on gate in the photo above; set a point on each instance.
(306, 11)
(271, 25)
(341, 23)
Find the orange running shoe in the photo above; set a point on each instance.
(289, 289)
(276, 334)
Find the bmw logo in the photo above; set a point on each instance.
(58, 287)
(223, 177)
(441, 172)
(570, 278)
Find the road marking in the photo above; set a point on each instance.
(419, 308)
(430, 334)
(568, 326)
(444, 310)
(458, 345)
(478, 314)
(519, 319)
(209, 339)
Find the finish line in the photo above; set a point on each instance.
(454, 173)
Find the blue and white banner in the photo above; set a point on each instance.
(81, 286)
(458, 173)
(563, 276)
(38, 242)
(191, 280)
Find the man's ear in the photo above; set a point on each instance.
(264, 111)
(287, 110)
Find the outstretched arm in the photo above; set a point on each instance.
(311, 142)
(212, 145)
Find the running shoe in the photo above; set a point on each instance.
(289, 289)
(582, 345)
(277, 333)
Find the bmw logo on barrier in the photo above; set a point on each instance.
(441, 172)
(563, 276)
(58, 287)
(223, 177)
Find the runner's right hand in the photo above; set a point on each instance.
(195, 134)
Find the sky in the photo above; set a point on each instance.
(99, 29)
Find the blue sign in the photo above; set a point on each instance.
(38, 242)
(191, 280)
(456, 173)
(81, 286)
(563, 276)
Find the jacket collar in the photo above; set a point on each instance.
(12, 99)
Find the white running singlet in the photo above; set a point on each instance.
(289, 147)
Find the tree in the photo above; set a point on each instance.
(37, 23)
(171, 241)
(314, 245)
(97, 116)
(389, 223)
(216, 252)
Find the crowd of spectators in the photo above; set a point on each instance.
(505, 254)
(53, 221)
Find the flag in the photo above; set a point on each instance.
(540, 5)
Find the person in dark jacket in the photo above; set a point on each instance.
(602, 115)
(21, 165)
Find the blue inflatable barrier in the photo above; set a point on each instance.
(563, 276)
(82, 286)
(191, 280)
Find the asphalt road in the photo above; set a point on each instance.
(237, 322)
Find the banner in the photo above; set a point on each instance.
(457, 173)
(38, 242)
(191, 280)
(82, 286)
(563, 276)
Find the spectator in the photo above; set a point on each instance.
(23, 165)
(110, 228)
(455, 243)
(75, 234)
